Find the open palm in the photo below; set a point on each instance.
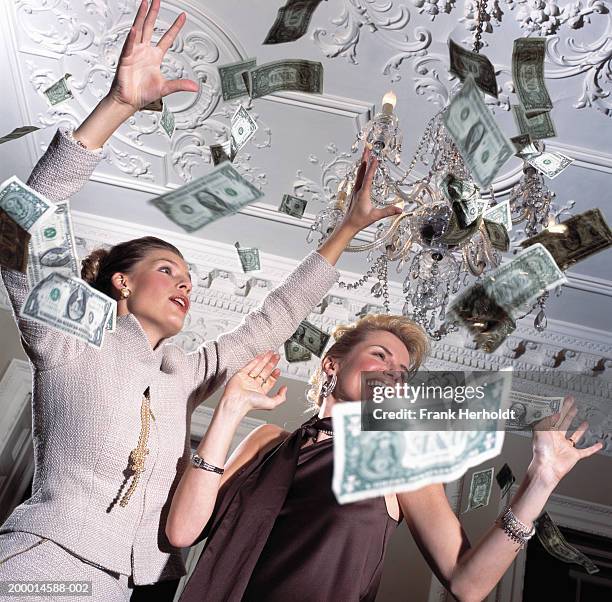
(553, 450)
(138, 79)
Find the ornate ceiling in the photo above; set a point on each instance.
(303, 143)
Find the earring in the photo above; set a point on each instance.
(328, 386)
(124, 291)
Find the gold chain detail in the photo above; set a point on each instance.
(137, 455)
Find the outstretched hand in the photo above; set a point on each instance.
(361, 213)
(555, 453)
(249, 388)
(138, 79)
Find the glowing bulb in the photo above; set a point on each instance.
(389, 100)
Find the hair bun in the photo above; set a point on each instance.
(91, 265)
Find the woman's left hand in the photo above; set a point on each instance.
(138, 80)
(361, 213)
(553, 452)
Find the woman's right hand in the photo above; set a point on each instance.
(249, 388)
(138, 80)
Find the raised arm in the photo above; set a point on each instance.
(281, 312)
(196, 495)
(72, 156)
(470, 573)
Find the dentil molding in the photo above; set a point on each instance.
(565, 358)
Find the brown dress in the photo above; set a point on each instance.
(303, 547)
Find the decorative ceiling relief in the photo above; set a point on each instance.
(383, 18)
(417, 40)
(86, 38)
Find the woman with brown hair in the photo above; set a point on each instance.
(111, 426)
(275, 530)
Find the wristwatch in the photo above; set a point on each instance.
(201, 463)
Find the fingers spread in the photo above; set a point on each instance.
(149, 24)
(168, 38)
(589, 451)
(579, 432)
(128, 45)
(179, 85)
(139, 20)
(359, 177)
(370, 172)
(567, 420)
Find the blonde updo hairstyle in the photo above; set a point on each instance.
(346, 336)
(101, 264)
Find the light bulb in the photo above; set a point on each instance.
(389, 100)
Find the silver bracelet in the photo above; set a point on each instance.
(514, 528)
(200, 463)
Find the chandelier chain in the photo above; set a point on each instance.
(481, 7)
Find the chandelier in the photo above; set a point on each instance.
(441, 251)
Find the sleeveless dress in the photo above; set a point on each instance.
(286, 538)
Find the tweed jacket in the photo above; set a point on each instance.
(86, 407)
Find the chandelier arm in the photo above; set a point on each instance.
(379, 241)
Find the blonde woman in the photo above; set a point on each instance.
(275, 531)
(111, 426)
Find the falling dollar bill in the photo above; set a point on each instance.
(550, 164)
(454, 234)
(249, 258)
(70, 306)
(13, 244)
(293, 75)
(24, 205)
(467, 197)
(53, 247)
(371, 464)
(296, 353)
(575, 239)
(500, 214)
(481, 142)
(167, 121)
(220, 152)
(505, 479)
(527, 409)
(18, 133)
(526, 148)
(293, 205)
(312, 338)
(528, 75)
(498, 235)
(221, 192)
(243, 128)
(232, 84)
(557, 546)
(494, 334)
(488, 308)
(292, 21)
(480, 489)
(521, 281)
(538, 126)
(59, 91)
(464, 62)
